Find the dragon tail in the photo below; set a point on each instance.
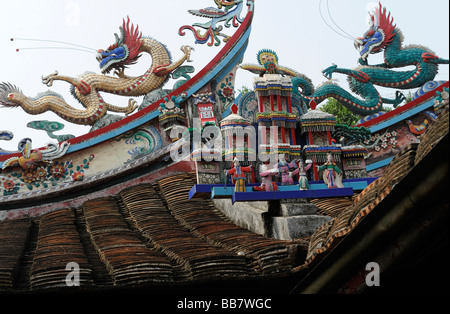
(304, 83)
(429, 57)
(442, 61)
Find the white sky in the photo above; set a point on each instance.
(292, 28)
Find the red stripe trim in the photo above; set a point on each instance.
(415, 102)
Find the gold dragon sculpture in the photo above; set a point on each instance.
(86, 89)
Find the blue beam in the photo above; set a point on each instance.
(379, 164)
(226, 191)
(279, 195)
(402, 116)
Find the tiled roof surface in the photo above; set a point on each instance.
(146, 235)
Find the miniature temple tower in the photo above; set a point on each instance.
(318, 127)
(239, 140)
(274, 115)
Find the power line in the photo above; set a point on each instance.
(323, 19)
(55, 41)
(329, 14)
(67, 48)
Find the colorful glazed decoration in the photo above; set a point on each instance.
(182, 71)
(441, 100)
(319, 154)
(144, 140)
(301, 172)
(231, 13)
(50, 127)
(31, 158)
(225, 91)
(382, 35)
(427, 87)
(86, 89)
(5, 136)
(44, 175)
(346, 135)
(268, 64)
(233, 128)
(238, 175)
(277, 118)
(417, 129)
(170, 112)
(317, 121)
(9, 185)
(331, 173)
(380, 142)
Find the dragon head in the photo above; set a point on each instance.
(125, 51)
(379, 35)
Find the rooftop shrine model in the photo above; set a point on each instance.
(266, 165)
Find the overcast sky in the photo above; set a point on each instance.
(294, 29)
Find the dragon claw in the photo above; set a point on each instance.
(328, 72)
(120, 72)
(48, 80)
(187, 51)
(399, 98)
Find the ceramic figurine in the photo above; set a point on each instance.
(238, 175)
(301, 171)
(266, 180)
(332, 175)
(284, 167)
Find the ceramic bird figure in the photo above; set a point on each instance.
(417, 129)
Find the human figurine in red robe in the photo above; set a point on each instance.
(238, 175)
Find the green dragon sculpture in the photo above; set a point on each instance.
(86, 89)
(382, 35)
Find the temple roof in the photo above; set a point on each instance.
(152, 237)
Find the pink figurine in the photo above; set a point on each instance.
(284, 167)
(266, 180)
